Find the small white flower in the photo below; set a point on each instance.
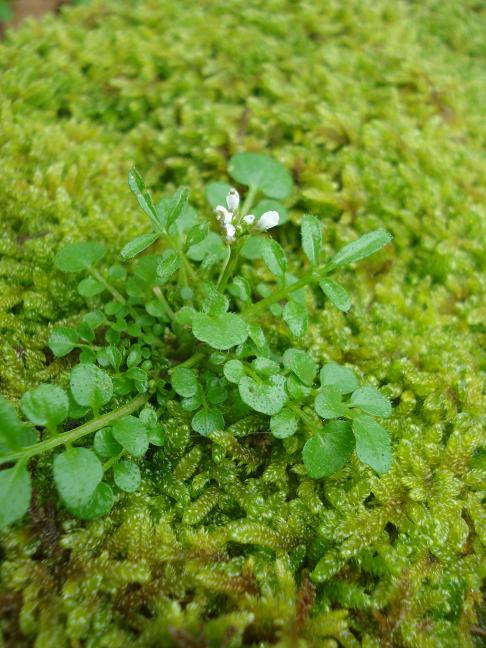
(230, 233)
(233, 199)
(223, 215)
(267, 220)
(249, 219)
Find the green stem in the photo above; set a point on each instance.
(248, 204)
(99, 277)
(77, 433)
(190, 362)
(108, 464)
(224, 267)
(161, 297)
(313, 276)
(190, 270)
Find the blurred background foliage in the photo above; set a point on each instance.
(377, 108)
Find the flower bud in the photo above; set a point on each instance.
(249, 219)
(267, 220)
(230, 233)
(233, 199)
(223, 215)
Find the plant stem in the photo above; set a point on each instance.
(190, 362)
(161, 297)
(224, 267)
(99, 277)
(313, 276)
(77, 433)
(248, 204)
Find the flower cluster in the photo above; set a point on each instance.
(231, 222)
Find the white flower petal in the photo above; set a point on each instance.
(222, 214)
(267, 220)
(233, 199)
(249, 219)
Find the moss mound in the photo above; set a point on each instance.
(376, 107)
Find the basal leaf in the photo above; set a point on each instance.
(371, 401)
(91, 386)
(265, 397)
(342, 378)
(77, 472)
(76, 257)
(373, 445)
(46, 405)
(15, 492)
(261, 172)
(131, 433)
(327, 451)
(126, 476)
(221, 331)
(328, 403)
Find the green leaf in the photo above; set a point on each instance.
(342, 378)
(296, 317)
(233, 371)
(360, 249)
(15, 491)
(261, 172)
(265, 367)
(176, 205)
(157, 436)
(371, 401)
(271, 205)
(326, 452)
(311, 234)
(167, 266)
(131, 433)
(256, 333)
(274, 257)
(126, 476)
(141, 243)
(94, 319)
(216, 193)
(296, 389)
(220, 332)
(373, 445)
(105, 445)
(336, 294)
(210, 247)
(253, 247)
(266, 398)
(76, 257)
(184, 381)
(14, 435)
(100, 503)
(206, 421)
(328, 403)
(300, 362)
(91, 386)
(215, 303)
(196, 234)
(77, 472)
(90, 287)
(62, 341)
(46, 405)
(240, 288)
(137, 185)
(284, 424)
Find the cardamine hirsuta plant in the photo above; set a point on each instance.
(210, 315)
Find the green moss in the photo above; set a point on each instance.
(376, 107)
